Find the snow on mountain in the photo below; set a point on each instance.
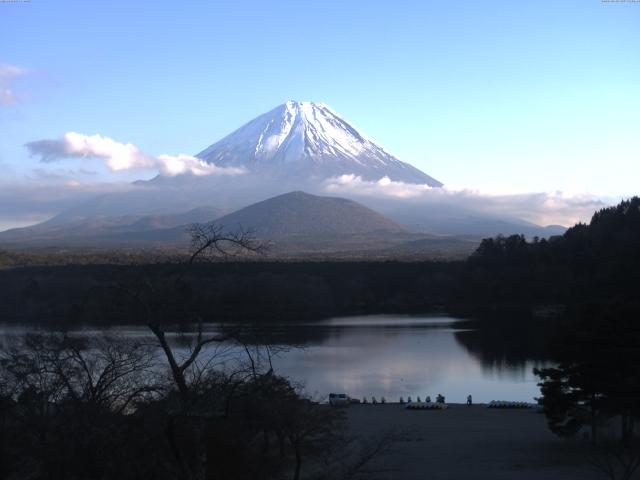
(305, 140)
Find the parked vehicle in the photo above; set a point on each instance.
(337, 399)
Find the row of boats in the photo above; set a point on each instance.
(337, 399)
(508, 404)
(426, 406)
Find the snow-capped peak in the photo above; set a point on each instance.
(308, 140)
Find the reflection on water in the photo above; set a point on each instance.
(391, 356)
(394, 356)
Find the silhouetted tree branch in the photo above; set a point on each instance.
(210, 240)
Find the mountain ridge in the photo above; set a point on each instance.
(107, 228)
(302, 214)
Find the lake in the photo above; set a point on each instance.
(403, 356)
(388, 356)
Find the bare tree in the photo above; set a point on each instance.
(77, 389)
(192, 377)
(209, 241)
(107, 372)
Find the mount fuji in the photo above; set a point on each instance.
(297, 146)
(308, 141)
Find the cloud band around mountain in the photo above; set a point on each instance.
(542, 208)
(121, 156)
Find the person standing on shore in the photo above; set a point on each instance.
(469, 400)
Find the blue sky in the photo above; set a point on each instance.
(494, 95)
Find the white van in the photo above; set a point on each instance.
(337, 399)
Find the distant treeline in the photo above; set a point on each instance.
(223, 291)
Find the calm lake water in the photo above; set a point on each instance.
(388, 356)
(401, 356)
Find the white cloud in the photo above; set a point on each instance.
(171, 166)
(385, 186)
(8, 76)
(121, 156)
(118, 156)
(542, 208)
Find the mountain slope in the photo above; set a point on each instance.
(102, 230)
(294, 216)
(305, 140)
(302, 214)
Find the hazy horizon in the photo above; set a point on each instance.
(503, 102)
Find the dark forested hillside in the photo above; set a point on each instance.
(595, 262)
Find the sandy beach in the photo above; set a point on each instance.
(471, 443)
